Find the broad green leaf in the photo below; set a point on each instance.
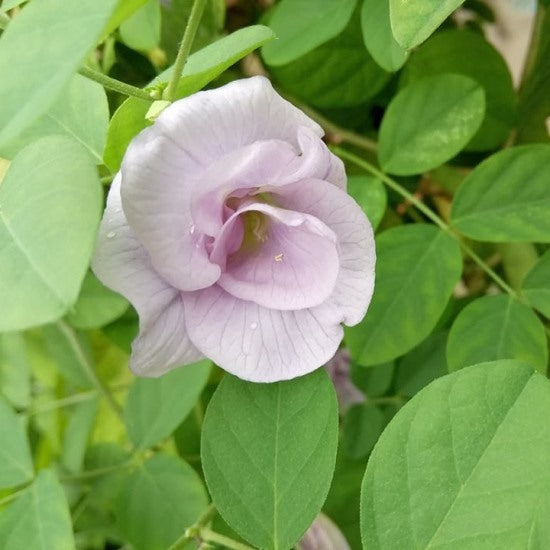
(156, 406)
(506, 197)
(374, 381)
(80, 112)
(370, 194)
(497, 327)
(158, 501)
(15, 456)
(124, 9)
(96, 305)
(536, 285)
(422, 365)
(51, 185)
(417, 269)
(363, 425)
(268, 454)
(517, 261)
(464, 465)
(141, 31)
(413, 22)
(300, 27)
(378, 36)
(39, 519)
(469, 54)
(15, 370)
(201, 68)
(340, 73)
(37, 60)
(429, 122)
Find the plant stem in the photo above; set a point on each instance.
(185, 48)
(98, 472)
(15, 494)
(331, 128)
(533, 48)
(113, 84)
(194, 531)
(210, 536)
(429, 213)
(88, 368)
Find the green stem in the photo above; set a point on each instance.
(331, 128)
(88, 368)
(113, 84)
(211, 536)
(185, 48)
(533, 48)
(194, 531)
(98, 472)
(15, 494)
(428, 212)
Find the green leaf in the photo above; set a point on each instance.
(123, 10)
(422, 365)
(506, 197)
(469, 54)
(363, 425)
(370, 194)
(413, 22)
(338, 74)
(417, 269)
(96, 305)
(33, 75)
(158, 501)
(201, 68)
(378, 36)
(300, 29)
(15, 456)
(51, 185)
(156, 406)
(39, 519)
(429, 122)
(497, 327)
(536, 285)
(268, 454)
(464, 465)
(81, 112)
(141, 31)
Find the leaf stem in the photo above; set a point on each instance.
(98, 472)
(429, 213)
(103, 389)
(211, 536)
(113, 84)
(185, 48)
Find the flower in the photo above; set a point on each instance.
(229, 229)
(323, 534)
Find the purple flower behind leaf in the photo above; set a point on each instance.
(338, 369)
(229, 229)
(323, 534)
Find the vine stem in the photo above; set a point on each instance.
(104, 390)
(185, 48)
(113, 84)
(428, 212)
(208, 535)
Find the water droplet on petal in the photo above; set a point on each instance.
(111, 234)
(253, 326)
(192, 228)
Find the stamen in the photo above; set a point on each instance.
(279, 257)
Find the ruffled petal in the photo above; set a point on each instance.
(157, 180)
(257, 343)
(295, 267)
(355, 283)
(122, 264)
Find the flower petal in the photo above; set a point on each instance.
(296, 267)
(157, 179)
(260, 344)
(355, 283)
(123, 265)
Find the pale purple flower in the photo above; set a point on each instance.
(229, 229)
(338, 369)
(323, 534)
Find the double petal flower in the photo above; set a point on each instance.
(230, 230)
